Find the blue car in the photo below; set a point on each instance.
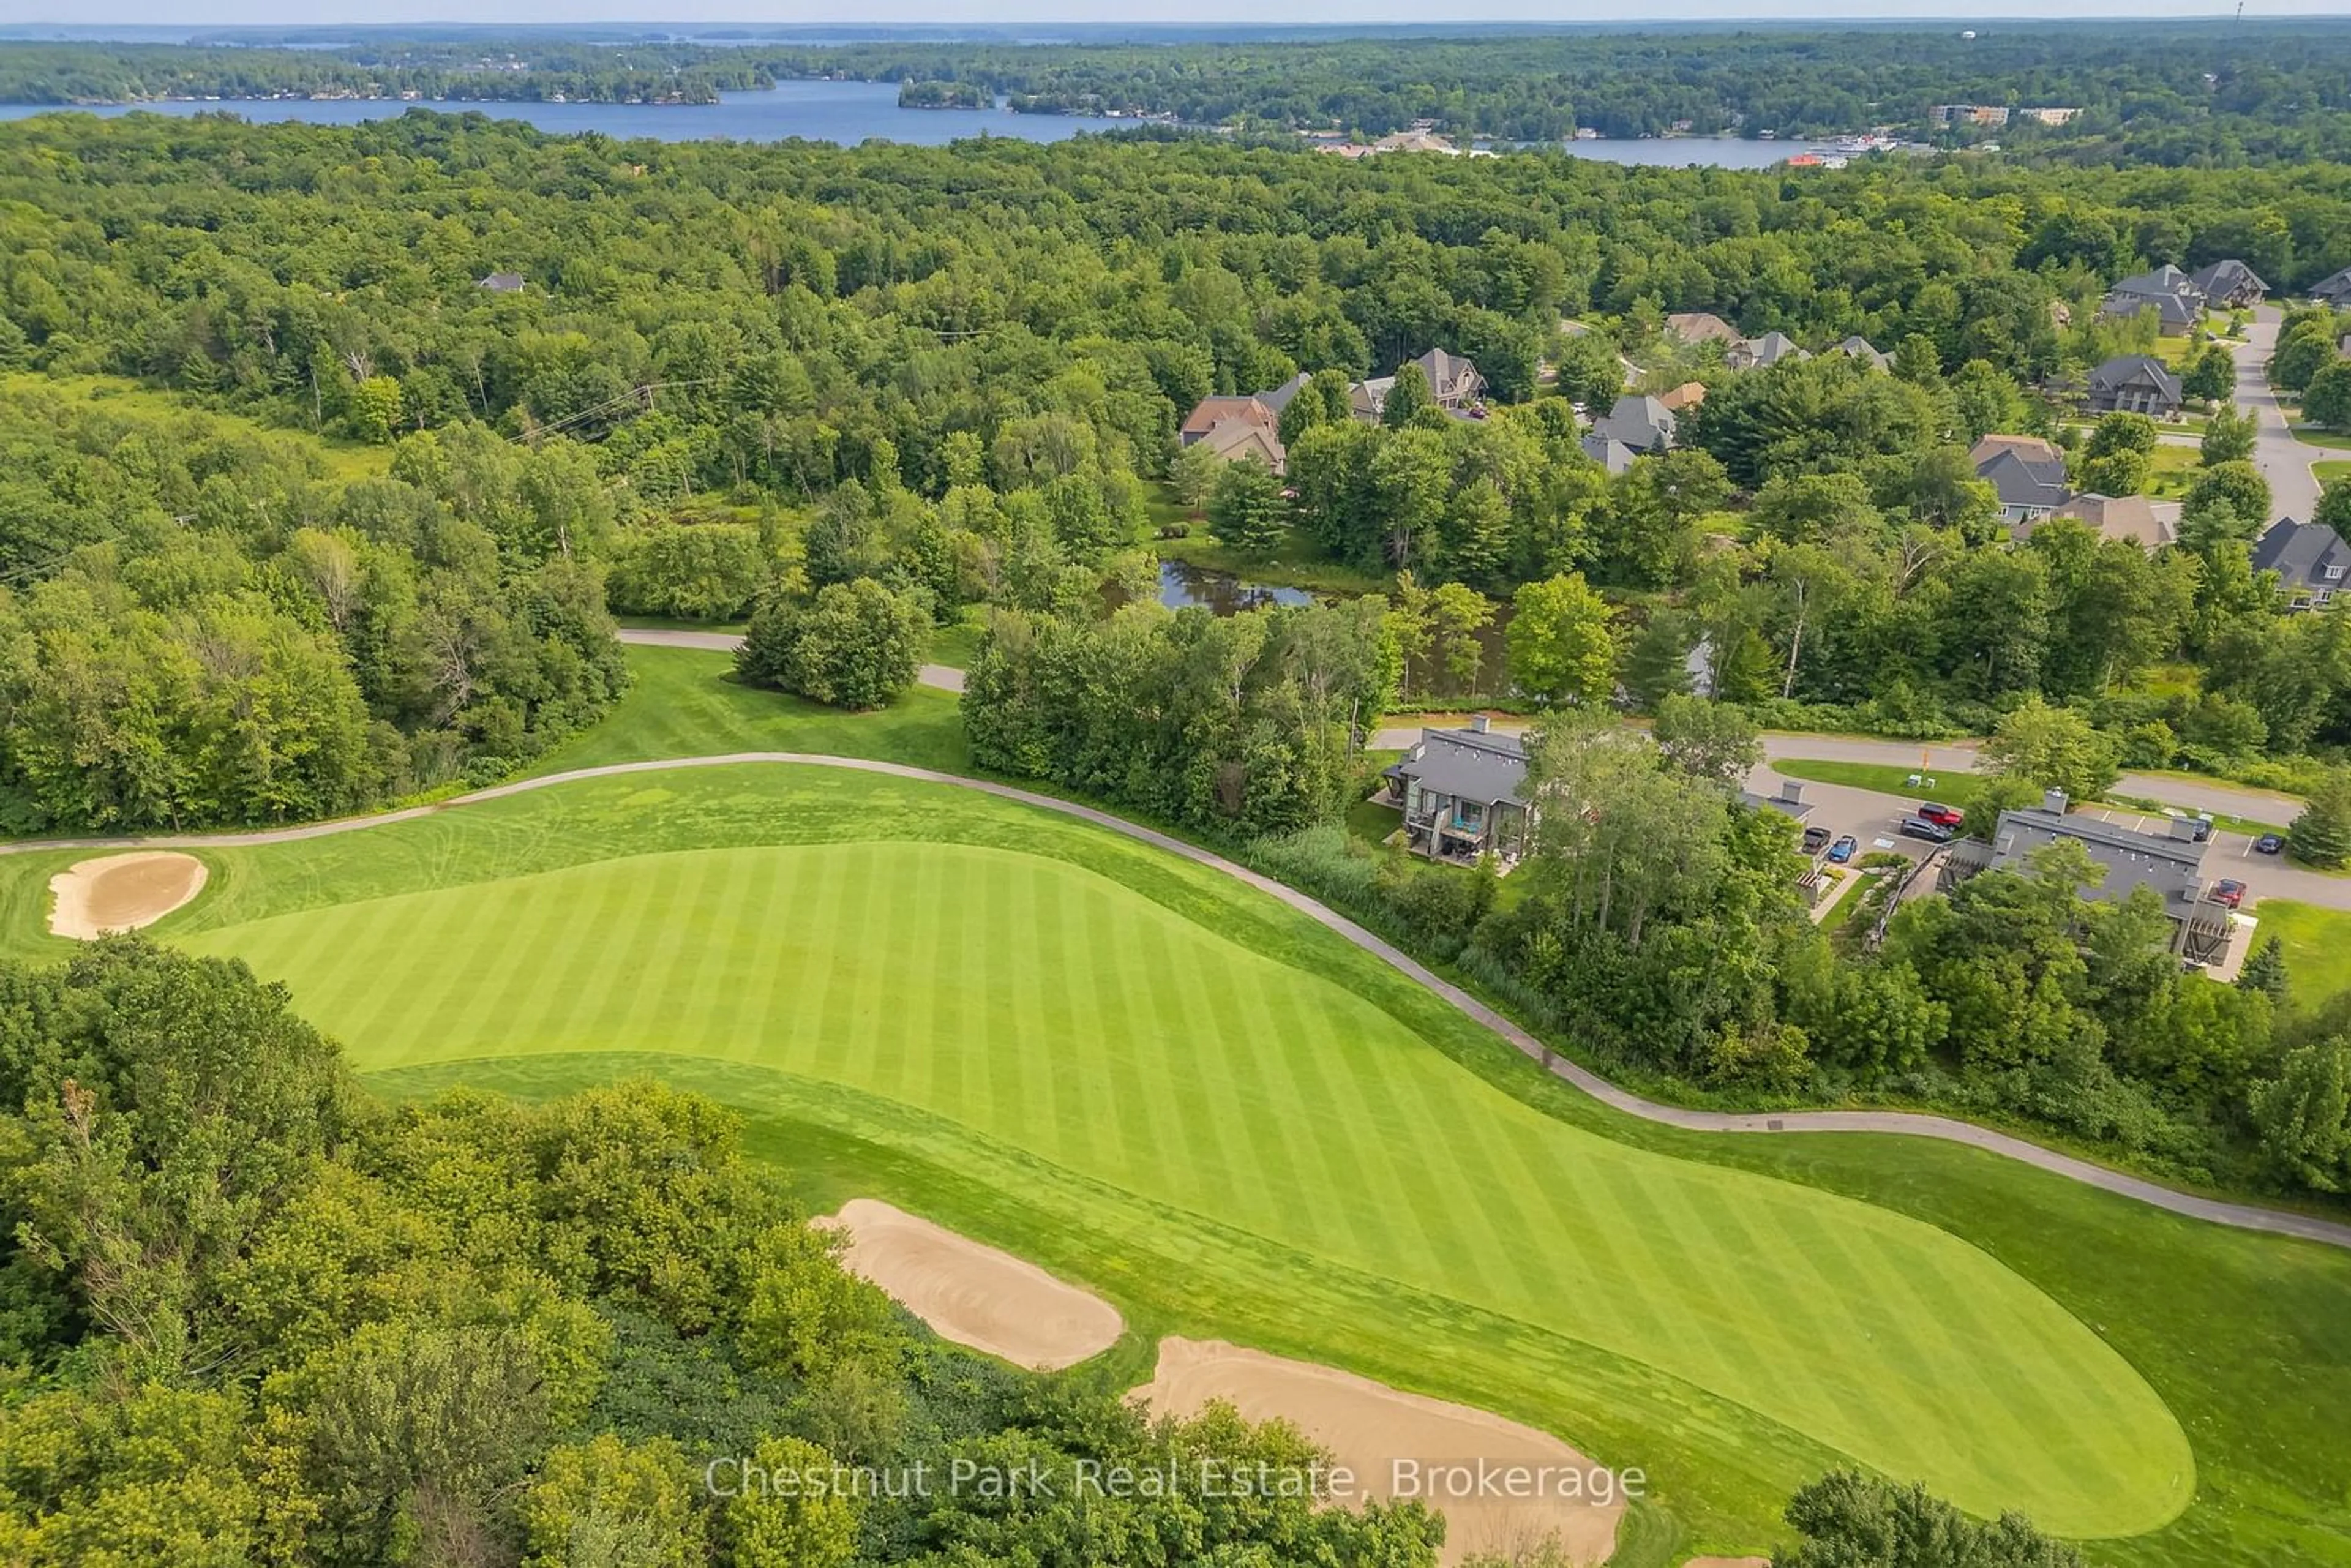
(1843, 850)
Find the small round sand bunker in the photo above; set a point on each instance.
(973, 1294)
(1502, 1488)
(122, 892)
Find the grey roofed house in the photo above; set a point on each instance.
(2135, 383)
(1860, 347)
(1463, 793)
(2310, 558)
(2175, 314)
(1453, 381)
(1755, 353)
(2335, 290)
(2229, 283)
(1279, 398)
(2172, 863)
(1368, 400)
(501, 283)
(2031, 485)
(1609, 452)
(1639, 421)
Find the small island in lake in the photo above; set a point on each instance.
(946, 95)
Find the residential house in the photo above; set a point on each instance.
(1280, 397)
(1641, 422)
(1235, 427)
(1232, 439)
(2172, 863)
(2334, 291)
(1463, 794)
(1454, 385)
(2135, 383)
(2310, 560)
(501, 283)
(1453, 381)
(2132, 519)
(1609, 452)
(1860, 347)
(2168, 292)
(1683, 398)
(1211, 411)
(1701, 326)
(2026, 472)
(1756, 353)
(2229, 285)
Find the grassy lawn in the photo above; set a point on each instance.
(1174, 1060)
(2333, 472)
(1954, 787)
(955, 645)
(1297, 564)
(687, 703)
(2317, 948)
(2171, 468)
(2319, 436)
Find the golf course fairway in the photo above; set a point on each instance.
(1150, 1029)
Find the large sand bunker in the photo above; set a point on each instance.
(1502, 1486)
(122, 892)
(975, 1295)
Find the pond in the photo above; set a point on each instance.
(1183, 586)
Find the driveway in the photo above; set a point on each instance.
(2283, 461)
(945, 678)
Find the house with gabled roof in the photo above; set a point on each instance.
(501, 283)
(2135, 383)
(1860, 347)
(1700, 327)
(1641, 422)
(2130, 519)
(2334, 291)
(1453, 382)
(2310, 558)
(2028, 474)
(1211, 411)
(1758, 353)
(1608, 452)
(2229, 285)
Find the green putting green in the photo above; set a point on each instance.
(1149, 1028)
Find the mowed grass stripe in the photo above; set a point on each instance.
(1629, 1231)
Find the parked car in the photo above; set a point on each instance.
(1843, 850)
(2269, 845)
(1817, 838)
(1926, 828)
(1943, 816)
(2227, 892)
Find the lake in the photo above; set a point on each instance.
(845, 111)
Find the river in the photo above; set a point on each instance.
(845, 111)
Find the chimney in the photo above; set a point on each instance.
(1792, 790)
(1477, 723)
(2053, 802)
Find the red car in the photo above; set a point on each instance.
(2228, 893)
(1942, 816)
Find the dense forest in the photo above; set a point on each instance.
(2172, 92)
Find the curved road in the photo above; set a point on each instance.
(2243, 1217)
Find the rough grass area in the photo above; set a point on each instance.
(345, 459)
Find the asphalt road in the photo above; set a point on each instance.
(2283, 461)
(1905, 1123)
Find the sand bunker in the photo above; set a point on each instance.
(975, 1295)
(122, 892)
(1460, 1461)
